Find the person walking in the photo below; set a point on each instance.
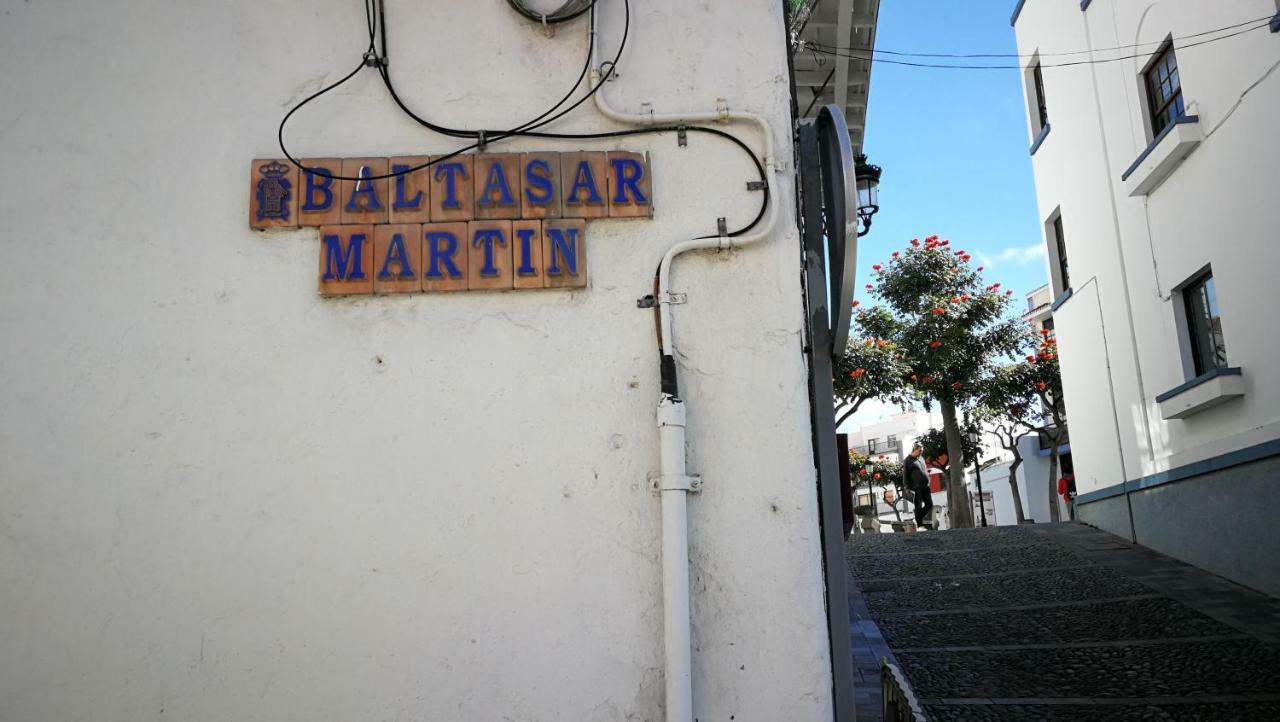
(918, 482)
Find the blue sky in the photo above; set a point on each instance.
(953, 143)
(954, 147)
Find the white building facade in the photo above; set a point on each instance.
(226, 497)
(1156, 167)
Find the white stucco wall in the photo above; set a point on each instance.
(225, 498)
(1118, 332)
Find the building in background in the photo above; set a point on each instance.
(1156, 169)
(1039, 311)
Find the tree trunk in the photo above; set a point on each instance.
(1013, 485)
(958, 506)
(1054, 514)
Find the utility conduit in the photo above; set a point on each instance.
(674, 484)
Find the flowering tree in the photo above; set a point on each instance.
(934, 447)
(950, 329)
(870, 368)
(884, 472)
(1027, 397)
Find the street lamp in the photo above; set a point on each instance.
(868, 178)
(976, 438)
(870, 468)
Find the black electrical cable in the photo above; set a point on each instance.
(371, 58)
(459, 133)
(1100, 61)
(911, 54)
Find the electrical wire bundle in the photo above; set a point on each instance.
(376, 57)
(875, 55)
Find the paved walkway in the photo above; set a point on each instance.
(1058, 622)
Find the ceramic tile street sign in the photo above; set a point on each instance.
(480, 222)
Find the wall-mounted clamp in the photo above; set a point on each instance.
(722, 110)
(756, 185)
(481, 140)
(691, 483)
(671, 297)
(682, 136)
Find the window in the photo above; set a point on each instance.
(1204, 325)
(1164, 90)
(1048, 325)
(892, 441)
(871, 445)
(1042, 109)
(1058, 248)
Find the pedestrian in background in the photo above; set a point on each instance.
(917, 481)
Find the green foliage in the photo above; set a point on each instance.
(885, 472)
(949, 327)
(934, 442)
(869, 369)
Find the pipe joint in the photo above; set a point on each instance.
(671, 412)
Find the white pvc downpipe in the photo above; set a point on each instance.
(673, 487)
(674, 483)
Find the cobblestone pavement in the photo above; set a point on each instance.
(1058, 622)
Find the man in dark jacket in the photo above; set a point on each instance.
(917, 482)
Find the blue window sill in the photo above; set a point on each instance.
(1275, 23)
(1182, 120)
(1018, 9)
(1044, 132)
(1060, 300)
(1084, 5)
(1202, 378)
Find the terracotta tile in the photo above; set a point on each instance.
(318, 196)
(490, 255)
(584, 181)
(452, 189)
(444, 257)
(346, 260)
(411, 193)
(630, 185)
(540, 178)
(564, 253)
(497, 185)
(397, 258)
(367, 203)
(273, 194)
(526, 246)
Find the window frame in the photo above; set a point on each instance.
(1207, 351)
(1059, 266)
(1042, 105)
(1157, 107)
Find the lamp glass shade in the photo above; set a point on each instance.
(868, 194)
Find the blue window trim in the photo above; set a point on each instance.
(1248, 454)
(1016, 10)
(1062, 449)
(1156, 141)
(1060, 300)
(1039, 138)
(1202, 378)
(1084, 5)
(1275, 23)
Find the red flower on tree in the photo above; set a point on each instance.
(876, 267)
(935, 344)
(857, 373)
(939, 311)
(957, 385)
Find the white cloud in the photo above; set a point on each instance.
(1016, 255)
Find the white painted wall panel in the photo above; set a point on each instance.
(224, 498)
